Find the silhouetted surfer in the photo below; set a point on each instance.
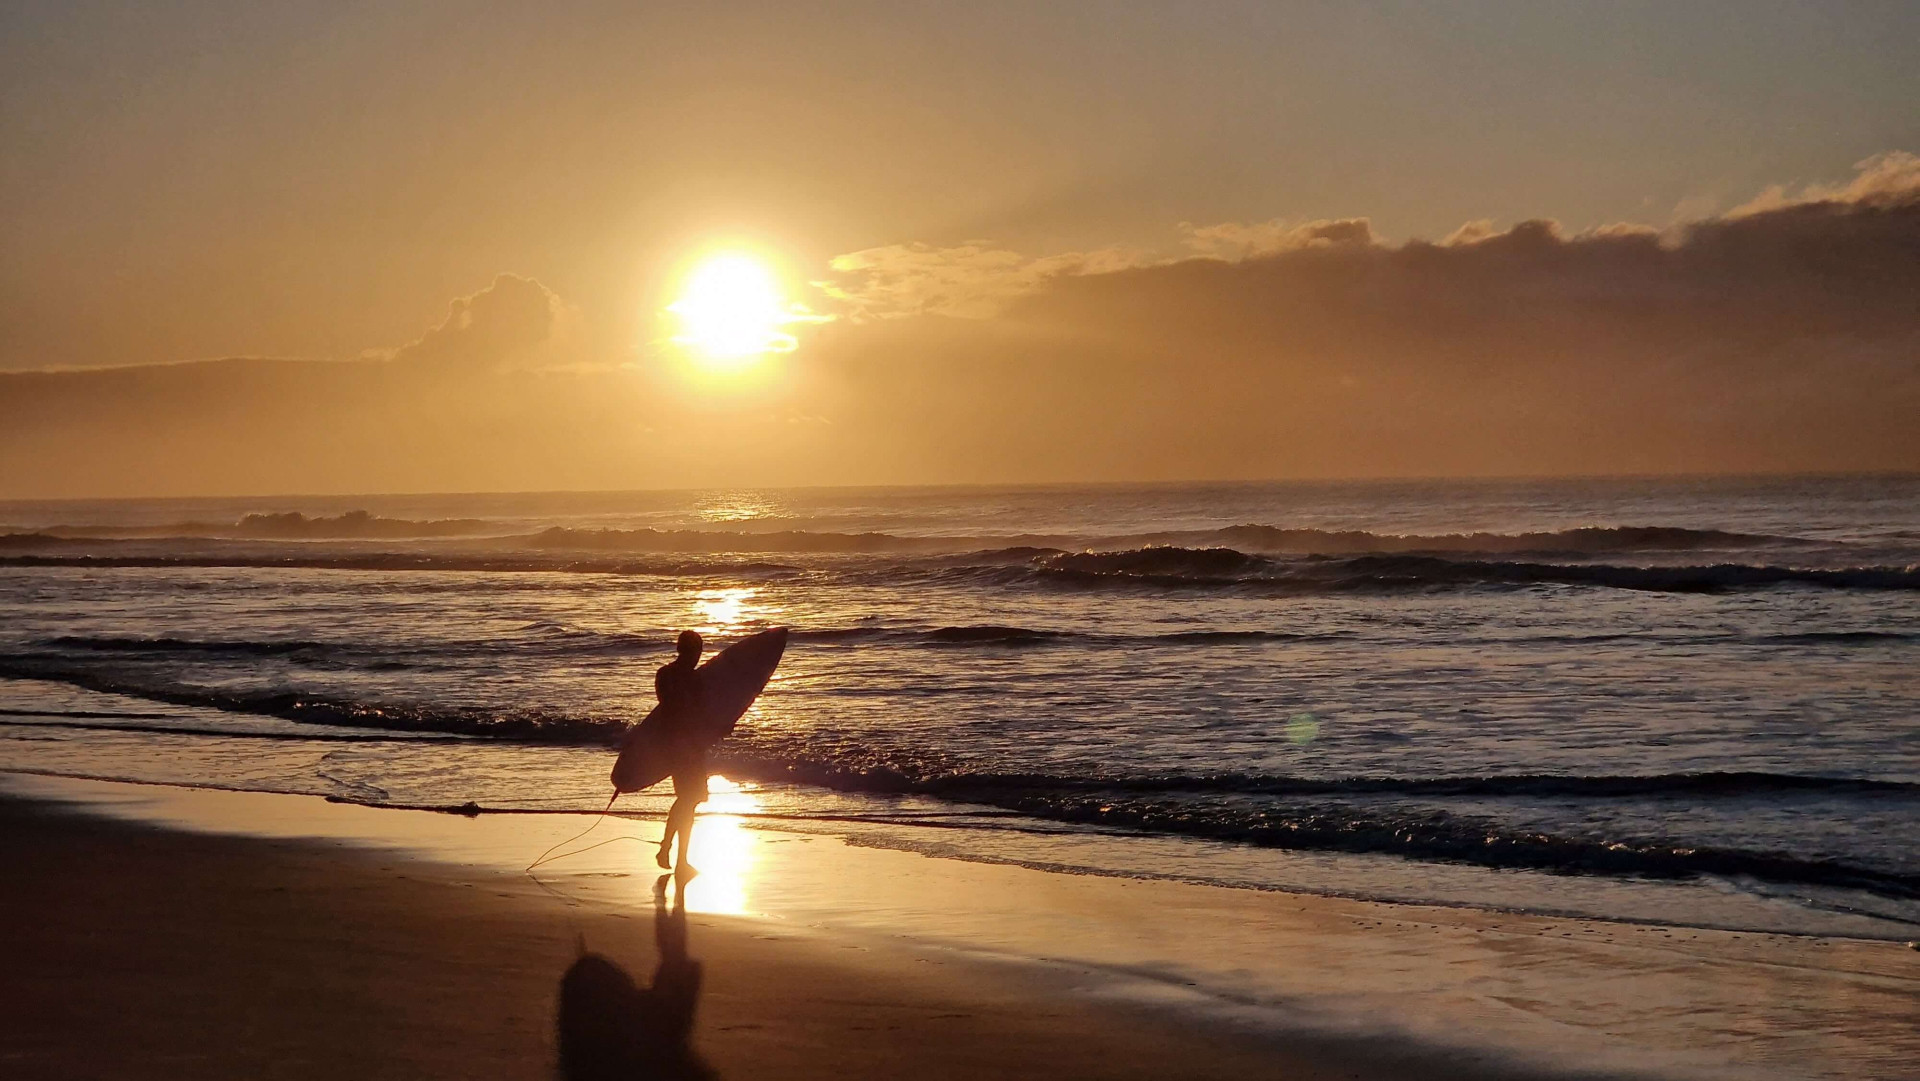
(679, 689)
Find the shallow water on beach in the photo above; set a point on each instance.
(1686, 701)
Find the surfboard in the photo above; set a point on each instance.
(730, 681)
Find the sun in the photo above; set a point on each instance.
(732, 310)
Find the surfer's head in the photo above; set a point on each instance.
(690, 645)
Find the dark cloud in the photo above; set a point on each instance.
(1784, 336)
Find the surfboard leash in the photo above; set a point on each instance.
(601, 817)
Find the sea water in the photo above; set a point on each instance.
(1689, 701)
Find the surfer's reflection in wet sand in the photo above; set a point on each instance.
(610, 1027)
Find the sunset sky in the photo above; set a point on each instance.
(1006, 242)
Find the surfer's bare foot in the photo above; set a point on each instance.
(685, 871)
(664, 857)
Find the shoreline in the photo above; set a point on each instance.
(1307, 982)
(837, 826)
(182, 759)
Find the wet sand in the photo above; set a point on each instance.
(140, 952)
(284, 936)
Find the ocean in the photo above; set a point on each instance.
(1685, 701)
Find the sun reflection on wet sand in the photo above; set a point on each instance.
(724, 850)
(610, 859)
(618, 863)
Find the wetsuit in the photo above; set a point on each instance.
(678, 688)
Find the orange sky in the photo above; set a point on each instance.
(1102, 242)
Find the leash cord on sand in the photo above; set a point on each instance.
(602, 817)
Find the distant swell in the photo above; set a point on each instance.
(289, 525)
(709, 540)
(990, 634)
(414, 561)
(1264, 560)
(1265, 539)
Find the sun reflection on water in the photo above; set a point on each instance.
(741, 506)
(723, 608)
(732, 608)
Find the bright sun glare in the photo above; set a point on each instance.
(732, 310)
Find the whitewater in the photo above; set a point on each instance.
(1685, 701)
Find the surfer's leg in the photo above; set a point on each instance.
(679, 826)
(689, 792)
(672, 833)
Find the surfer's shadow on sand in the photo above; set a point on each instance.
(610, 1026)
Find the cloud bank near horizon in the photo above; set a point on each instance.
(1780, 336)
(978, 280)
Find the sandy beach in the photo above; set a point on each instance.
(161, 954)
(170, 933)
(155, 953)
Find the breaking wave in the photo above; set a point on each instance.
(1337, 814)
(1584, 539)
(353, 524)
(527, 726)
(1227, 567)
(1397, 816)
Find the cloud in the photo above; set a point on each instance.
(1779, 337)
(514, 322)
(1885, 180)
(1234, 241)
(979, 280)
(971, 280)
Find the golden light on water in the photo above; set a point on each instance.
(732, 310)
(732, 609)
(736, 506)
(722, 608)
